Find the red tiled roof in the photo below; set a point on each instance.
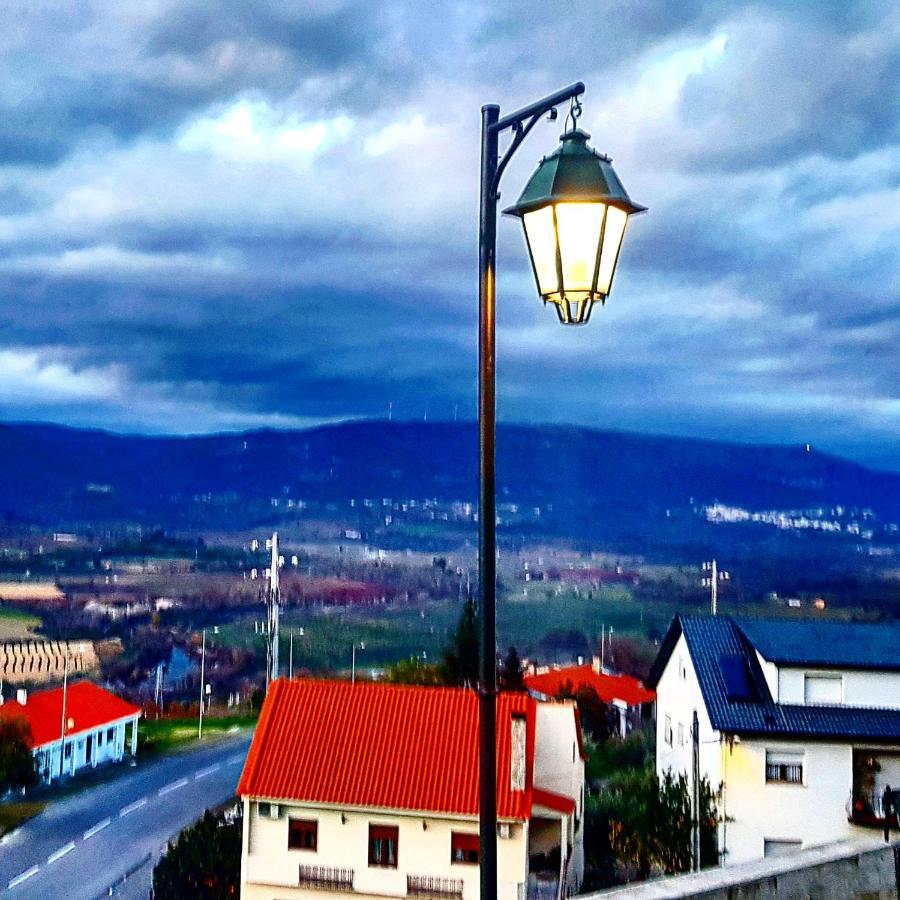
(540, 797)
(87, 706)
(624, 688)
(383, 746)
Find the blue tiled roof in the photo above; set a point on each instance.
(712, 639)
(848, 645)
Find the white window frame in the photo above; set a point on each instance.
(786, 758)
(813, 677)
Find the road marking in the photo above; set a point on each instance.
(172, 787)
(132, 807)
(238, 757)
(207, 771)
(24, 876)
(97, 828)
(59, 854)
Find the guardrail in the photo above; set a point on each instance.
(428, 886)
(326, 878)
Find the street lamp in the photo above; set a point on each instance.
(574, 211)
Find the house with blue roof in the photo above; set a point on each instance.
(797, 720)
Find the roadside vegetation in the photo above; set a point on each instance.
(168, 734)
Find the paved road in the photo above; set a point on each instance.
(80, 845)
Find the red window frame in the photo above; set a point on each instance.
(465, 849)
(384, 845)
(303, 834)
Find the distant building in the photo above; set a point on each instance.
(373, 789)
(96, 722)
(31, 592)
(623, 693)
(799, 721)
(38, 661)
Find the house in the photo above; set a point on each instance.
(96, 722)
(372, 788)
(798, 721)
(624, 694)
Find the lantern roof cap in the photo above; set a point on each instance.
(574, 172)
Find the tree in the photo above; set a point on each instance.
(18, 767)
(460, 664)
(649, 822)
(510, 676)
(203, 862)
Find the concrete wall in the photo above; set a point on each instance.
(269, 868)
(859, 688)
(864, 870)
(677, 696)
(813, 813)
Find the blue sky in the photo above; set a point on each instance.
(223, 215)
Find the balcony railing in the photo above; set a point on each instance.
(428, 886)
(326, 878)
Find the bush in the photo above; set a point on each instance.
(203, 862)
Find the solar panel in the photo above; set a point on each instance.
(736, 676)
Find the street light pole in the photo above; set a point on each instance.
(492, 167)
(202, 679)
(362, 646)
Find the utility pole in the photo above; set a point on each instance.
(202, 680)
(362, 646)
(62, 742)
(712, 582)
(695, 791)
(273, 613)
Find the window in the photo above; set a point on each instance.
(667, 731)
(99, 738)
(303, 834)
(784, 767)
(772, 847)
(680, 734)
(383, 845)
(68, 751)
(823, 689)
(264, 809)
(110, 733)
(464, 848)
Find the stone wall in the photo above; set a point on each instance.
(860, 870)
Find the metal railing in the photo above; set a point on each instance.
(428, 886)
(326, 878)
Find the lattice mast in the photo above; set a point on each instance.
(273, 612)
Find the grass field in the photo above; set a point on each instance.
(16, 625)
(164, 735)
(12, 815)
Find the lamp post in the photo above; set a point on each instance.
(574, 210)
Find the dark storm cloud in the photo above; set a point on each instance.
(221, 214)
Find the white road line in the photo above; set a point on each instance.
(132, 807)
(172, 787)
(207, 771)
(97, 828)
(24, 876)
(238, 757)
(59, 854)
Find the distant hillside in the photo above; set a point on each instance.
(627, 487)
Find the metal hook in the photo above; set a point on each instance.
(574, 113)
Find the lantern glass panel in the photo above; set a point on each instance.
(542, 244)
(612, 240)
(579, 226)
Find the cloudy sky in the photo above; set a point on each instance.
(222, 215)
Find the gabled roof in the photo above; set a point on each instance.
(624, 688)
(383, 746)
(742, 704)
(87, 707)
(846, 645)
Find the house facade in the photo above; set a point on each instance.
(99, 727)
(372, 790)
(626, 697)
(798, 721)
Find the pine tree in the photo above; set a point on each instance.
(460, 664)
(510, 676)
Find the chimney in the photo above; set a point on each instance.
(22, 696)
(595, 664)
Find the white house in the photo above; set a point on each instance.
(96, 722)
(373, 789)
(799, 722)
